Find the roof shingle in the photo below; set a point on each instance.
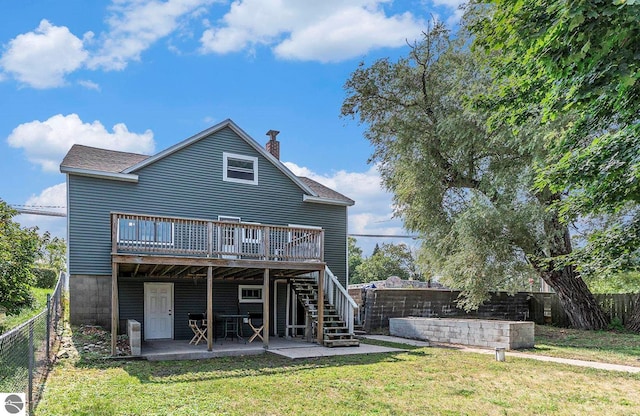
(111, 161)
(325, 192)
(101, 160)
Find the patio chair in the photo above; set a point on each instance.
(198, 325)
(256, 323)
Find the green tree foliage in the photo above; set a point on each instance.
(44, 278)
(559, 57)
(388, 260)
(610, 244)
(355, 259)
(466, 190)
(626, 282)
(53, 252)
(19, 249)
(581, 58)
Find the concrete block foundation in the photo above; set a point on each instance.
(476, 332)
(90, 300)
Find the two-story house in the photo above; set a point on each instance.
(214, 224)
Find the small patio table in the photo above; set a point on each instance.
(233, 325)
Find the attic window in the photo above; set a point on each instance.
(240, 168)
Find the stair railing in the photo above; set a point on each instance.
(338, 296)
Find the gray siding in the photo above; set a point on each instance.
(281, 305)
(190, 296)
(189, 183)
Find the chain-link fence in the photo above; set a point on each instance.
(26, 351)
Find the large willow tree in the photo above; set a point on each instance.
(467, 191)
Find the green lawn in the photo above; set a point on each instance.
(40, 304)
(420, 381)
(605, 346)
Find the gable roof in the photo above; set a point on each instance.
(111, 164)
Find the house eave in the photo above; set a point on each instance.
(211, 130)
(326, 201)
(124, 177)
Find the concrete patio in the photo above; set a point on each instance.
(160, 350)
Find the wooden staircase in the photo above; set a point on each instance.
(335, 330)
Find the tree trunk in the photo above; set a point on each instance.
(576, 299)
(633, 324)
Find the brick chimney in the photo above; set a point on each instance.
(273, 146)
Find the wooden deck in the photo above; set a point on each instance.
(152, 246)
(161, 246)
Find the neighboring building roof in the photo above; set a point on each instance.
(92, 161)
(394, 282)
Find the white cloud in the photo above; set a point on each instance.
(453, 4)
(136, 24)
(331, 30)
(46, 142)
(43, 57)
(348, 34)
(456, 11)
(54, 196)
(373, 211)
(90, 85)
(325, 31)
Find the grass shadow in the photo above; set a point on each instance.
(219, 367)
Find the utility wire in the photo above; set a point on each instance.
(37, 210)
(385, 236)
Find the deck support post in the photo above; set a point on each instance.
(287, 312)
(265, 309)
(114, 309)
(210, 326)
(320, 329)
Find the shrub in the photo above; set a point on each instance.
(45, 278)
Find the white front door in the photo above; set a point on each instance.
(158, 310)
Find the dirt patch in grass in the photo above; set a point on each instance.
(90, 342)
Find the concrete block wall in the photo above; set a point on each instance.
(476, 332)
(90, 300)
(380, 305)
(356, 295)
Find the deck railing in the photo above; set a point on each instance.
(337, 296)
(163, 235)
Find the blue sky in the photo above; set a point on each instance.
(142, 75)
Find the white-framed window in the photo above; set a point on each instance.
(145, 231)
(239, 168)
(250, 294)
